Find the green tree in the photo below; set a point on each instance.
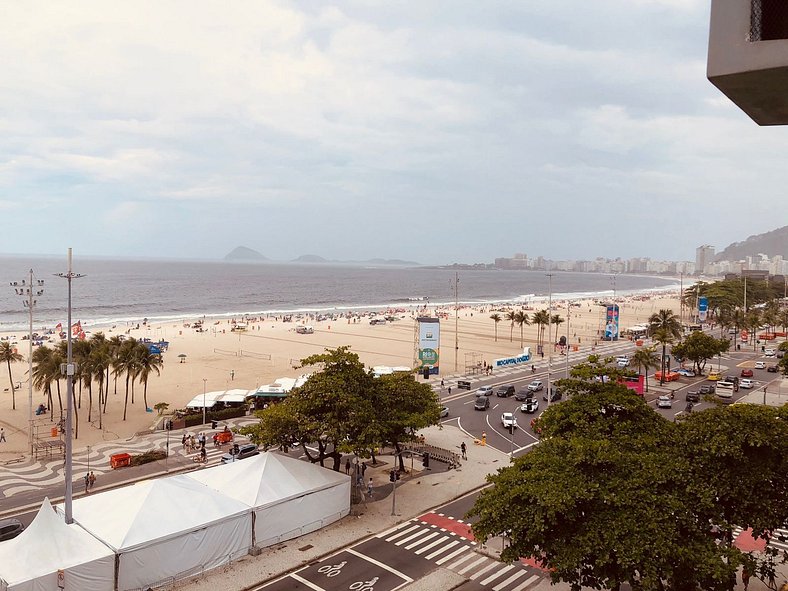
(147, 364)
(556, 321)
(699, 347)
(45, 371)
(645, 359)
(9, 356)
(496, 318)
(541, 319)
(614, 494)
(521, 318)
(665, 327)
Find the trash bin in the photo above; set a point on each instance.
(53, 432)
(119, 460)
(574, 347)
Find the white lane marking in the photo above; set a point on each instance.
(402, 532)
(510, 580)
(526, 446)
(522, 586)
(471, 566)
(497, 574)
(309, 584)
(431, 545)
(421, 541)
(411, 537)
(383, 534)
(444, 549)
(380, 564)
(480, 572)
(468, 556)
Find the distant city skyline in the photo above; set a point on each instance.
(417, 131)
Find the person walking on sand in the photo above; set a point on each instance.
(2, 435)
(91, 480)
(464, 449)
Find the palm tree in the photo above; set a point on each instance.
(44, 373)
(540, 319)
(645, 358)
(147, 363)
(100, 361)
(665, 327)
(753, 322)
(125, 362)
(496, 318)
(521, 318)
(556, 319)
(511, 316)
(10, 356)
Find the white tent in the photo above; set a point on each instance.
(290, 497)
(30, 562)
(211, 398)
(166, 529)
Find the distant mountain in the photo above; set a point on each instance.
(771, 244)
(243, 253)
(399, 262)
(310, 258)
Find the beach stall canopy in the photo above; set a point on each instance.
(290, 497)
(224, 396)
(165, 528)
(279, 388)
(30, 562)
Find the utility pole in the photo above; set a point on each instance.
(69, 370)
(681, 300)
(204, 384)
(30, 289)
(456, 322)
(550, 351)
(568, 332)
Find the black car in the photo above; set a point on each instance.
(706, 389)
(10, 528)
(772, 369)
(505, 391)
(240, 453)
(523, 394)
(693, 396)
(482, 403)
(555, 395)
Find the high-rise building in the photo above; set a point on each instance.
(703, 256)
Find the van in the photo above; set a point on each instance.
(725, 389)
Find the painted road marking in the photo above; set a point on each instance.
(510, 580)
(481, 571)
(421, 541)
(443, 549)
(431, 545)
(470, 566)
(303, 581)
(522, 586)
(494, 576)
(467, 556)
(380, 564)
(402, 533)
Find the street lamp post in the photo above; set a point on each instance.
(31, 289)
(764, 395)
(204, 384)
(69, 370)
(550, 351)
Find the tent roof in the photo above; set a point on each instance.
(47, 545)
(130, 517)
(268, 479)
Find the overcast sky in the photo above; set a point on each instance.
(430, 131)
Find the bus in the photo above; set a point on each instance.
(634, 383)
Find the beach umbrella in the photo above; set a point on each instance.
(182, 357)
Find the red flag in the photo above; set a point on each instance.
(82, 335)
(76, 328)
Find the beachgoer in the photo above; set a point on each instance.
(449, 390)
(441, 382)
(347, 466)
(464, 450)
(92, 480)
(2, 434)
(87, 482)
(183, 439)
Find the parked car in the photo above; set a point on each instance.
(555, 395)
(760, 365)
(482, 403)
(664, 402)
(772, 368)
(687, 373)
(505, 391)
(535, 386)
(746, 373)
(508, 420)
(244, 451)
(10, 528)
(693, 396)
(747, 384)
(444, 411)
(706, 389)
(484, 391)
(530, 406)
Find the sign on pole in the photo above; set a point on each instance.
(429, 344)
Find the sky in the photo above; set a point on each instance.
(432, 131)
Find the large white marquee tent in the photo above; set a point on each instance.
(166, 529)
(31, 561)
(289, 497)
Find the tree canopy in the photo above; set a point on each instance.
(699, 347)
(616, 494)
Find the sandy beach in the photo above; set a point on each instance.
(219, 358)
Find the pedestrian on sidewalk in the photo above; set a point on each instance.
(87, 483)
(745, 577)
(91, 480)
(449, 390)
(2, 435)
(441, 383)
(464, 449)
(369, 487)
(347, 465)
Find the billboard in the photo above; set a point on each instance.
(611, 323)
(429, 344)
(525, 357)
(703, 308)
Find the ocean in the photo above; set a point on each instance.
(125, 291)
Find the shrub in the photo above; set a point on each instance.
(147, 457)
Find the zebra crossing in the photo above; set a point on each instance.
(778, 539)
(453, 548)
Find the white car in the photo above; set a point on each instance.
(770, 352)
(622, 360)
(760, 365)
(746, 383)
(664, 402)
(508, 420)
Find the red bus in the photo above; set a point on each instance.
(634, 383)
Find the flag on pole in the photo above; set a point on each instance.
(59, 327)
(76, 328)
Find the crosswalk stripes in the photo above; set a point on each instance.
(778, 539)
(459, 554)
